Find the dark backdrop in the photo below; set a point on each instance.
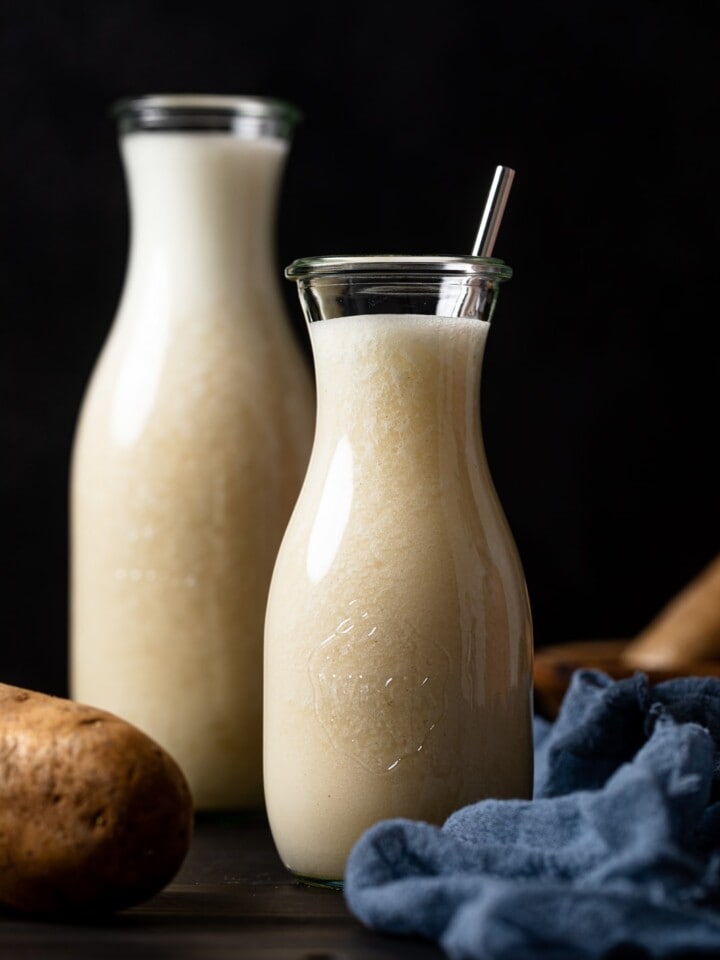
(600, 392)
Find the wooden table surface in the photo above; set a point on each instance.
(232, 898)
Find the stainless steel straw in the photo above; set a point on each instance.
(493, 212)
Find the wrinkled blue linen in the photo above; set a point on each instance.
(618, 853)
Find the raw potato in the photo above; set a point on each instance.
(94, 815)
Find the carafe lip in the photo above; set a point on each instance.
(398, 265)
(206, 112)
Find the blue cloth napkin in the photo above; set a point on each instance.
(617, 854)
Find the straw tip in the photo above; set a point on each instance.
(494, 209)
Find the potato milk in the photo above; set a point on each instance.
(192, 443)
(398, 636)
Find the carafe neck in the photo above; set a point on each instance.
(399, 387)
(202, 212)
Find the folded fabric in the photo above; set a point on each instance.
(617, 854)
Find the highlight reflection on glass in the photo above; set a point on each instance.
(137, 383)
(333, 512)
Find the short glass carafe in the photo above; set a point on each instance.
(398, 635)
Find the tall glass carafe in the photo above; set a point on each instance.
(398, 637)
(191, 444)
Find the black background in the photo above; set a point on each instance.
(600, 391)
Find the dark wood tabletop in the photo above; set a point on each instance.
(232, 899)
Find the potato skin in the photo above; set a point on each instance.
(94, 815)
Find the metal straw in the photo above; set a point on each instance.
(492, 214)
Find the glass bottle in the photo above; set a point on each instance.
(191, 444)
(398, 636)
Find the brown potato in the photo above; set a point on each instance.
(94, 815)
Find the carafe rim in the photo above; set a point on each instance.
(205, 112)
(397, 265)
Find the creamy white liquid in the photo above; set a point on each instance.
(190, 450)
(398, 641)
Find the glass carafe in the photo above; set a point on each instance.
(191, 444)
(398, 636)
